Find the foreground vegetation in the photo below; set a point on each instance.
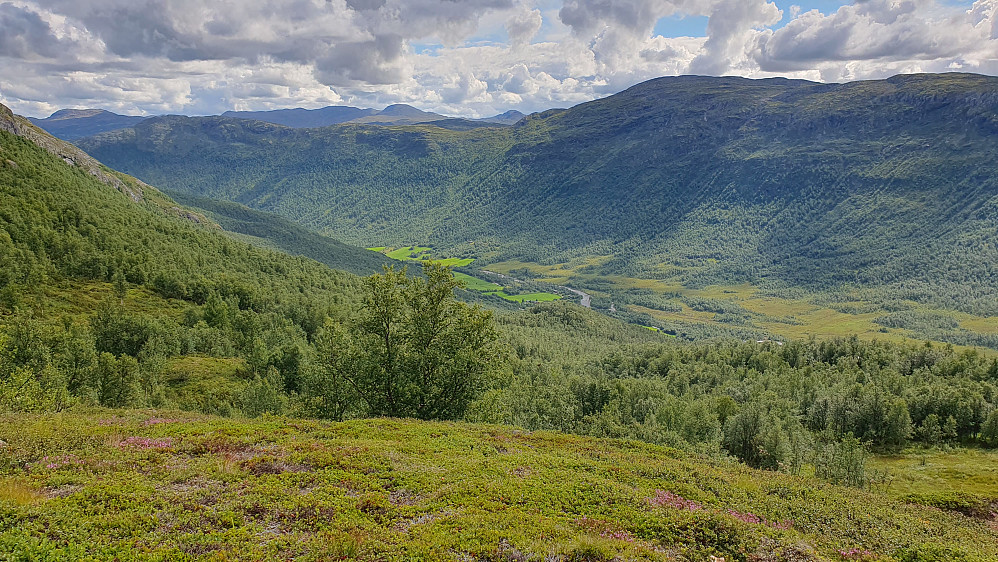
(171, 485)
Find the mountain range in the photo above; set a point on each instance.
(72, 124)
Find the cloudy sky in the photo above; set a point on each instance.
(459, 57)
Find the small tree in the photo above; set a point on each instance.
(329, 391)
(930, 431)
(418, 351)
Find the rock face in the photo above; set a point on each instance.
(70, 154)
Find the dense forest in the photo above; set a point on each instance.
(882, 188)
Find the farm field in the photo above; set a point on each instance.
(529, 297)
(144, 484)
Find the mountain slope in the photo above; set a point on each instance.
(71, 124)
(883, 186)
(276, 231)
(103, 269)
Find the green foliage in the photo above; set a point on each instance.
(759, 182)
(415, 350)
(271, 230)
(989, 432)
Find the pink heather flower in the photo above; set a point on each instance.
(745, 517)
(604, 529)
(619, 535)
(146, 443)
(155, 421)
(668, 499)
(53, 462)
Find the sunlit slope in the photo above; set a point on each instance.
(155, 485)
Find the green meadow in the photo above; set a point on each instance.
(425, 253)
(169, 485)
(528, 297)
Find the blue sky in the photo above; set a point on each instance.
(696, 26)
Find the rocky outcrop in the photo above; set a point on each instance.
(69, 154)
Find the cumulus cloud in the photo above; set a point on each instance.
(877, 37)
(731, 25)
(523, 26)
(464, 57)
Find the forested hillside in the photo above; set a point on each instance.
(798, 188)
(114, 296)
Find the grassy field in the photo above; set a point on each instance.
(955, 472)
(424, 253)
(420, 253)
(792, 318)
(476, 284)
(406, 253)
(154, 485)
(529, 297)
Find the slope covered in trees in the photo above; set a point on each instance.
(113, 296)
(275, 231)
(882, 186)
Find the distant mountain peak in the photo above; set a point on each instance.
(77, 113)
(72, 124)
(403, 110)
(506, 118)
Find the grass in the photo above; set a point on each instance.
(153, 485)
(408, 253)
(14, 491)
(528, 297)
(420, 253)
(476, 284)
(196, 382)
(455, 262)
(962, 471)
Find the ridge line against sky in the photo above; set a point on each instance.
(471, 58)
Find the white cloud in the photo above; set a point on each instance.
(196, 56)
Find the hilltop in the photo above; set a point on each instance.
(153, 485)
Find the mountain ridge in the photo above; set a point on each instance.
(73, 124)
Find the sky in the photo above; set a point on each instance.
(472, 58)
